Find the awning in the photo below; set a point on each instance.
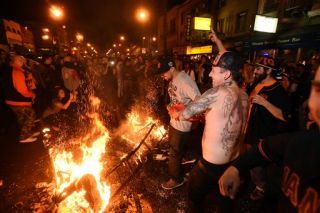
(307, 36)
(301, 37)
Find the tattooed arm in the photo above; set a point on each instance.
(199, 105)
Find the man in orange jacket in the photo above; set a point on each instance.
(19, 96)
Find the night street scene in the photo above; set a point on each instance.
(160, 106)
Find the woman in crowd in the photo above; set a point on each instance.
(49, 116)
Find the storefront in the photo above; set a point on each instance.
(291, 45)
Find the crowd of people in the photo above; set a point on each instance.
(243, 105)
(248, 108)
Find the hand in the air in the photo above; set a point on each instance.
(213, 36)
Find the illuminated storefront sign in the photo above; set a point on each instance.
(199, 50)
(202, 23)
(265, 24)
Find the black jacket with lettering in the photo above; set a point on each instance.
(261, 122)
(298, 154)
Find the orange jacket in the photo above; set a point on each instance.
(23, 83)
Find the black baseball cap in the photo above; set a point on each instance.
(228, 60)
(265, 61)
(165, 63)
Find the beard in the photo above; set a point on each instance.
(259, 77)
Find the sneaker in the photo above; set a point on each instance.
(172, 184)
(188, 161)
(257, 193)
(28, 140)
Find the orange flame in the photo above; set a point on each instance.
(69, 170)
(136, 127)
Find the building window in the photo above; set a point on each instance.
(270, 6)
(241, 22)
(172, 25)
(181, 18)
(14, 30)
(228, 27)
(221, 3)
(9, 29)
(292, 4)
(220, 25)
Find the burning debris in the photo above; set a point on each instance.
(80, 166)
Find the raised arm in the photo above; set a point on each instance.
(67, 104)
(214, 38)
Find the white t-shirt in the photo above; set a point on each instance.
(182, 89)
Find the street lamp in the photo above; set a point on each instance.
(122, 38)
(142, 15)
(79, 37)
(56, 12)
(154, 38)
(45, 37)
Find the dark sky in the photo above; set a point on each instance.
(101, 21)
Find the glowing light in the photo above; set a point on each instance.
(45, 30)
(79, 37)
(142, 15)
(265, 24)
(56, 12)
(45, 37)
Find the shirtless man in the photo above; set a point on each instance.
(225, 106)
(298, 156)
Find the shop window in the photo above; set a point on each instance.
(241, 22)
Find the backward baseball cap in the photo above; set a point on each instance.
(228, 60)
(266, 62)
(165, 64)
